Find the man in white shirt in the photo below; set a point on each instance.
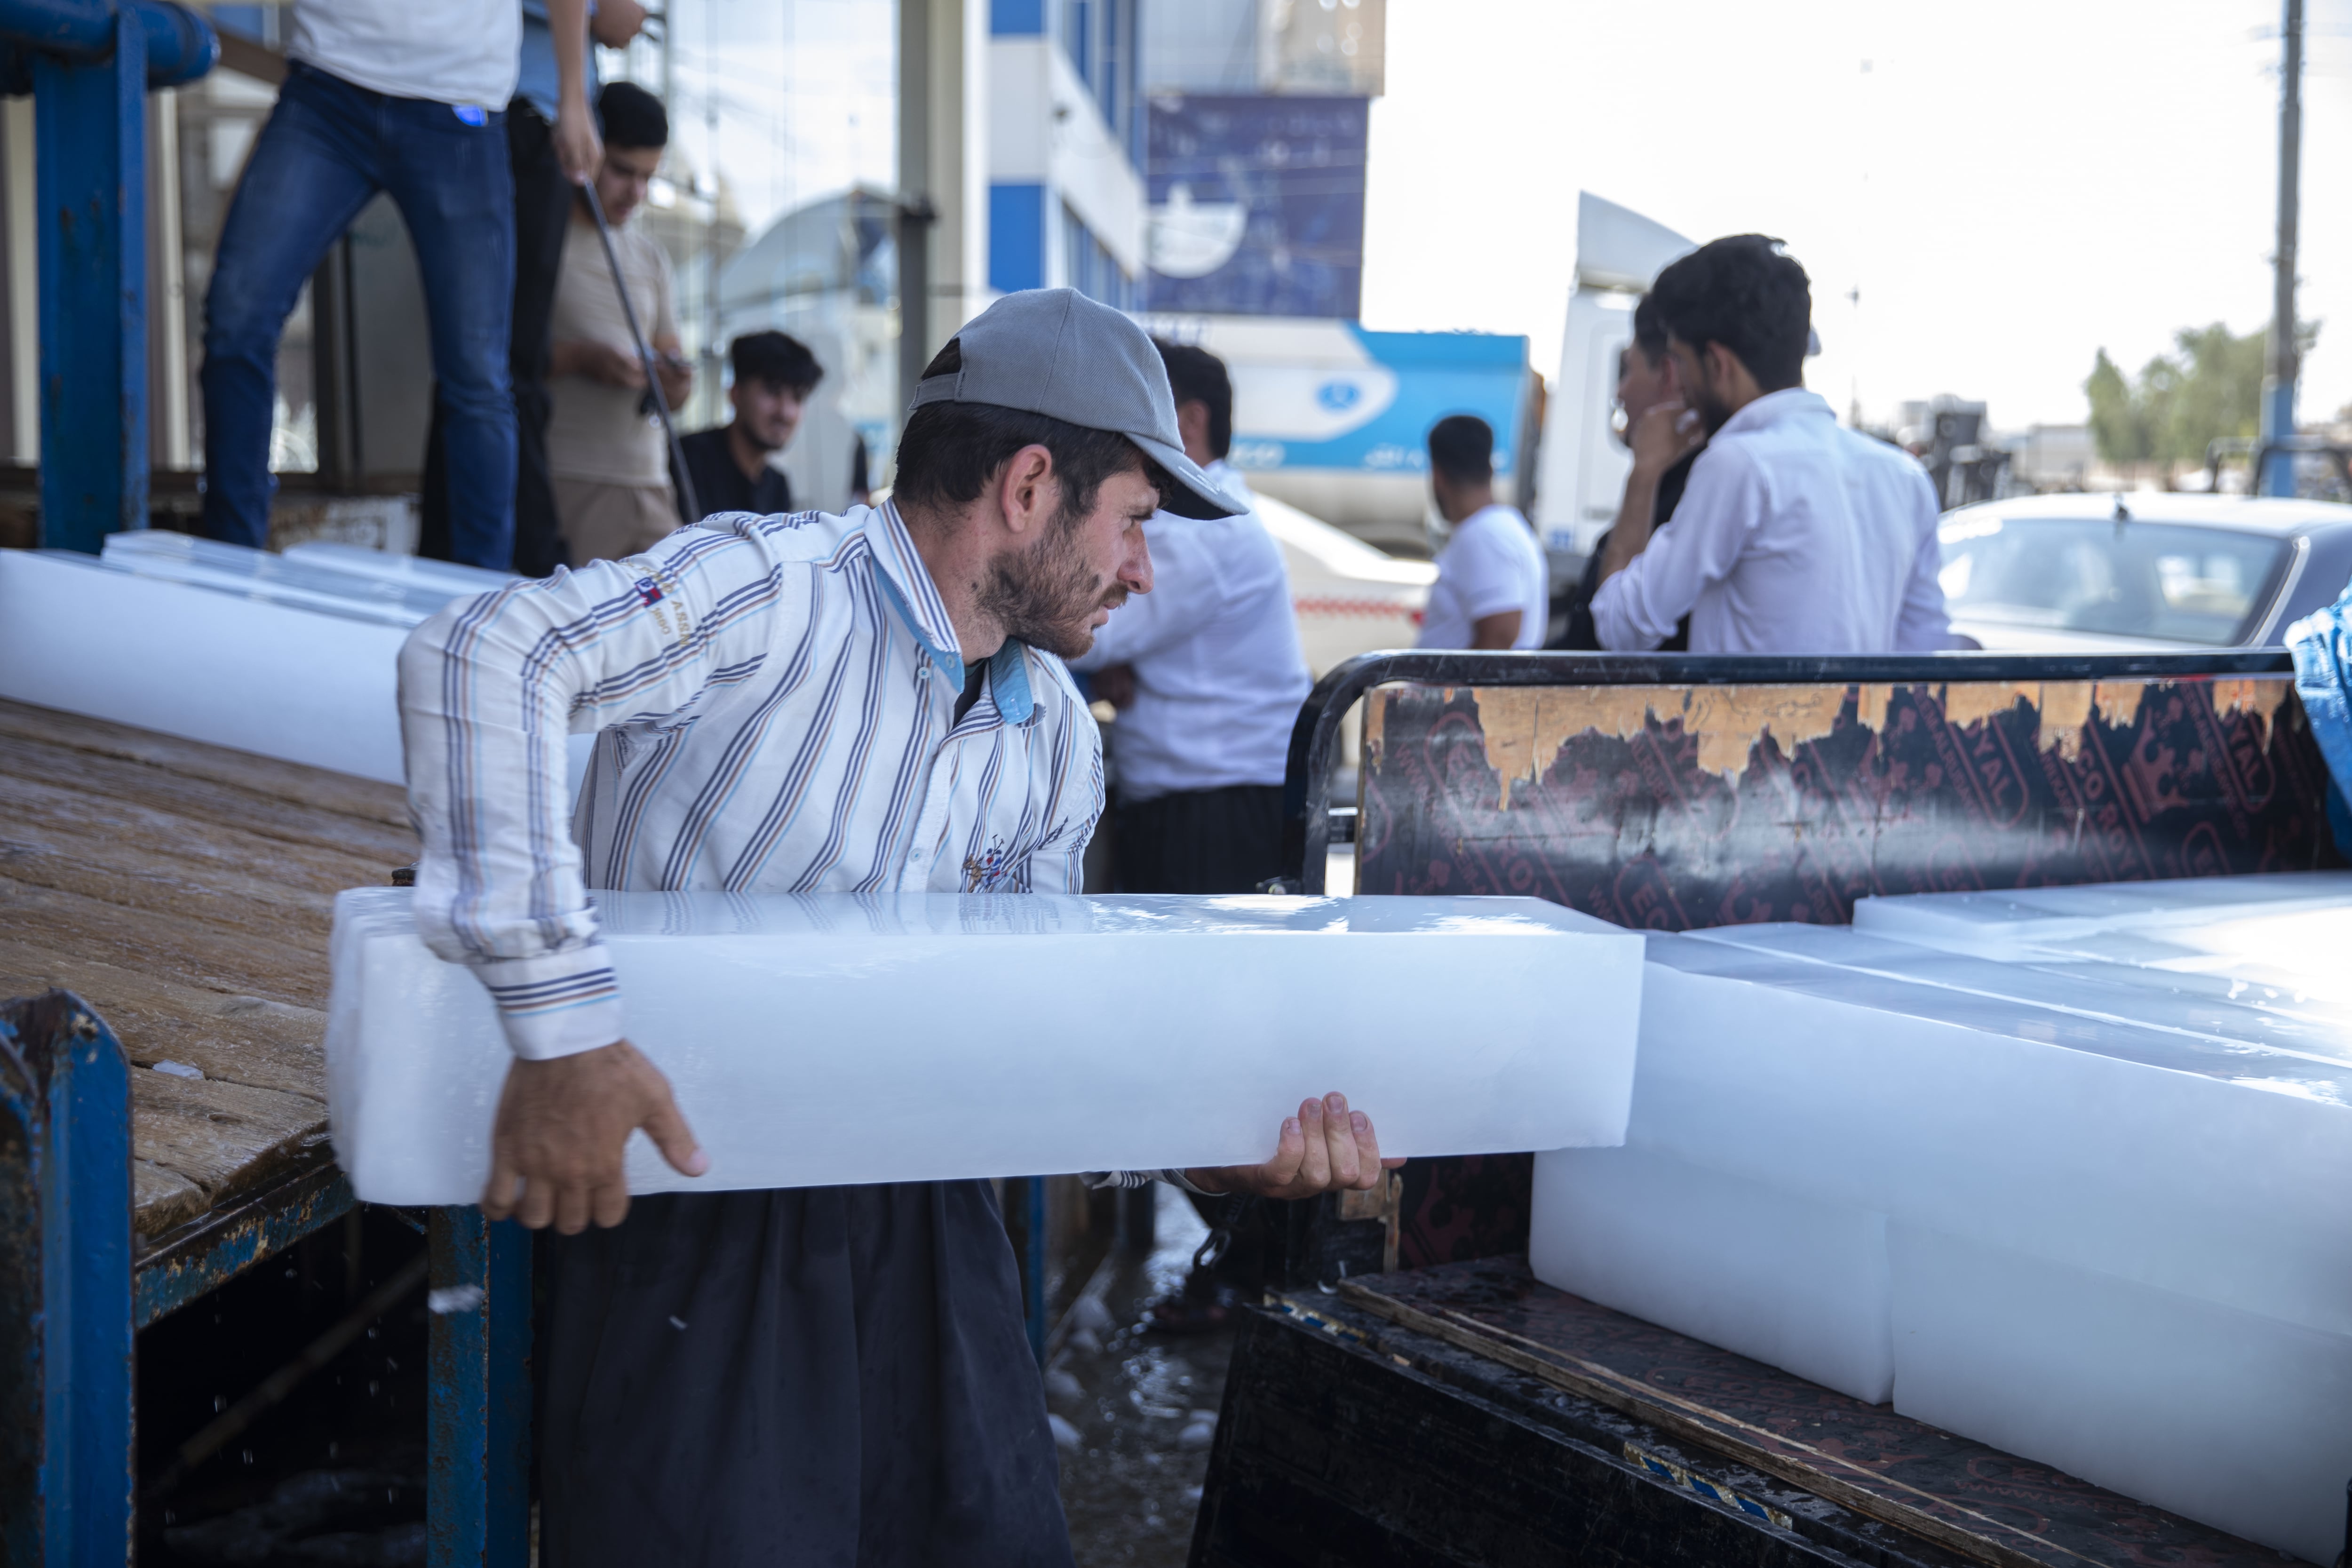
(404, 97)
(873, 704)
(606, 455)
(1794, 535)
(1492, 589)
(1207, 675)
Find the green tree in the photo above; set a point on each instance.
(2114, 424)
(2209, 387)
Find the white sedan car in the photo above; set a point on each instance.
(2139, 572)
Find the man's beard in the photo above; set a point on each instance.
(1708, 404)
(1046, 596)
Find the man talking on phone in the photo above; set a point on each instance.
(605, 452)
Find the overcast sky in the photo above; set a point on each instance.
(2008, 187)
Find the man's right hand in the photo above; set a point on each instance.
(598, 362)
(1666, 433)
(562, 1124)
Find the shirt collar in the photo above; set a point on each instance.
(1777, 407)
(906, 583)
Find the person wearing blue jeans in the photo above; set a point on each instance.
(330, 146)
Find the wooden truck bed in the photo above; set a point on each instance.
(185, 892)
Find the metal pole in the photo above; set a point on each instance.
(2278, 385)
(645, 354)
(90, 147)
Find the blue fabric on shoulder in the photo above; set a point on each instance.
(2322, 646)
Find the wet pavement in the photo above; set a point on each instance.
(1135, 1410)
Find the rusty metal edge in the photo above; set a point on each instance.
(208, 1252)
(1714, 1431)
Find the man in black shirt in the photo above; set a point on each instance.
(773, 377)
(1666, 439)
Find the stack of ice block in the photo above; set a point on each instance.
(288, 655)
(816, 1039)
(2085, 1200)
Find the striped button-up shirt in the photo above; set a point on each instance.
(775, 702)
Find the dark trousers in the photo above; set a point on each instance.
(825, 1377)
(1201, 841)
(543, 212)
(328, 147)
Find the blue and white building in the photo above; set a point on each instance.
(1065, 147)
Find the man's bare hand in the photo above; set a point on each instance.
(1326, 1148)
(597, 362)
(578, 149)
(615, 22)
(562, 1126)
(677, 378)
(1666, 433)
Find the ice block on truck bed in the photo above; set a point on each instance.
(816, 1039)
(2168, 1155)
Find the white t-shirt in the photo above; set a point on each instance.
(449, 51)
(1218, 671)
(1492, 563)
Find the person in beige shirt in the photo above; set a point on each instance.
(605, 452)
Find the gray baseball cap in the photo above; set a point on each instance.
(1056, 353)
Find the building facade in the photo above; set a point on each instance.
(1065, 147)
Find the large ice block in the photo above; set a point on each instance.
(294, 658)
(1790, 1282)
(2208, 1167)
(2028, 921)
(2206, 1007)
(269, 678)
(835, 1038)
(2228, 1417)
(300, 583)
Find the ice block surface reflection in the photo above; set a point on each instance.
(828, 1039)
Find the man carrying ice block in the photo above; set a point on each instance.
(871, 702)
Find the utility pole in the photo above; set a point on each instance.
(2278, 385)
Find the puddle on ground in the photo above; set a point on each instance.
(1142, 1407)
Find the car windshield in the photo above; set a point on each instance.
(2092, 574)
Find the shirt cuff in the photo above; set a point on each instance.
(556, 1004)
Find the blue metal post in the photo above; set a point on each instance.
(477, 1482)
(89, 137)
(66, 1336)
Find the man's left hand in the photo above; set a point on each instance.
(1326, 1148)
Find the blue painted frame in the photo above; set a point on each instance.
(88, 66)
(65, 1343)
(69, 1304)
(477, 1484)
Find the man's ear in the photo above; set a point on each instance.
(1723, 366)
(1027, 492)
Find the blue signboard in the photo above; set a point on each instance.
(1257, 205)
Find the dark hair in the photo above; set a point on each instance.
(1748, 293)
(775, 358)
(1649, 332)
(1462, 447)
(631, 116)
(950, 451)
(1196, 375)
